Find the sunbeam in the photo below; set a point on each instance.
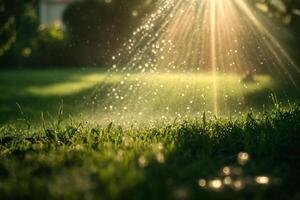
(214, 54)
(190, 57)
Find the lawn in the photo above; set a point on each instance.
(246, 158)
(49, 150)
(142, 97)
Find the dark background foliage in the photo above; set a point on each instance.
(97, 28)
(92, 30)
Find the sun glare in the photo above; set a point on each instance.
(186, 39)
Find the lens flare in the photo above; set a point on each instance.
(243, 158)
(263, 180)
(202, 182)
(215, 184)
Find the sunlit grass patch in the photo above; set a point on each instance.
(142, 97)
(68, 87)
(169, 95)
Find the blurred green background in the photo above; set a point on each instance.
(70, 33)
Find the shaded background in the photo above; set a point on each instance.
(70, 33)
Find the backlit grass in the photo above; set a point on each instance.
(160, 96)
(68, 160)
(61, 156)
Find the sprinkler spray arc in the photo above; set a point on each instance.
(188, 57)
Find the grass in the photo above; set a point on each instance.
(51, 155)
(42, 90)
(162, 95)
(67, 160)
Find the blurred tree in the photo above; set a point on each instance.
(288, 11)
(98, 27)
(19, 21)
(7, 29)
(49, 47)
(293, 10)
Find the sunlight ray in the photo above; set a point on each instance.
(190, 57)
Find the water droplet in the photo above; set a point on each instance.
(263, 180)
(202, 182)
(243, 158)
(215, 184)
